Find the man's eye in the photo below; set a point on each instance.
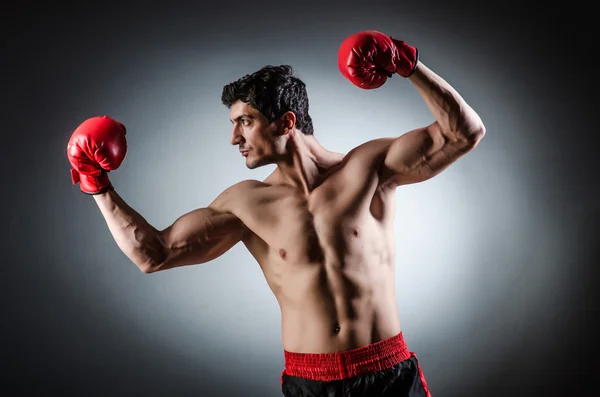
(245, 122)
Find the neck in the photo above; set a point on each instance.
(305, 162)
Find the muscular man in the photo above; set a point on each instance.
(320, 226)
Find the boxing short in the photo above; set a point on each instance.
(382, 369)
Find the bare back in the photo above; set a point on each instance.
(328, 257)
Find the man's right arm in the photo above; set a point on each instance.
(196, 237)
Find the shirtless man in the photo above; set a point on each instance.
(320, 226)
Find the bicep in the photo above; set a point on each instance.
(423, 153)
(200, 236)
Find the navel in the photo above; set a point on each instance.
(336, 328)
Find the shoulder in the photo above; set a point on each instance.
(231, 197)
(370, 151)
(244, 186)
(374, 145)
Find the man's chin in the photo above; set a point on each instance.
(252, 164)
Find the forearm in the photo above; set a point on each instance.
(455, 117)
(138, 240)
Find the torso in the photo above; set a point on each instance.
(327, 256)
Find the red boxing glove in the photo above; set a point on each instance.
(368, 58)
(96, 147)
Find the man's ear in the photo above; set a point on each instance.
(288, 121)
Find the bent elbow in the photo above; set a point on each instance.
(474, 135)
(153, 259)
(147, 268)
(150, 267)
(479, 132)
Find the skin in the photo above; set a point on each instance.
(321, 226)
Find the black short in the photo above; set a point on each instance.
(401, 380)
(385, 368)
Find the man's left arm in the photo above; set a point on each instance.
(423, 153)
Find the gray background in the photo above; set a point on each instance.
(497, 257)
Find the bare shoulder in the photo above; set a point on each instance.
(374, 146)
(368, 153)
(234, 195)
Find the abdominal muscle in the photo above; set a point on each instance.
(326, 309)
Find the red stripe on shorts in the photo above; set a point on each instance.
(342, 365)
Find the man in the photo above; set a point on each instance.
(320, 226)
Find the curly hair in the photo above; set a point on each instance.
(272, 90)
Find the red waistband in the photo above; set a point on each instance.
(341, 365)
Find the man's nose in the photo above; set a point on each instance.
(236, 136)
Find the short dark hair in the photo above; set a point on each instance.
(272, 90)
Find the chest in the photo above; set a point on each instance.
(334, 220)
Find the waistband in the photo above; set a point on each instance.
(346, 364)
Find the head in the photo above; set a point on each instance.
(266, 108)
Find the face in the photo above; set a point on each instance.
(259, 141)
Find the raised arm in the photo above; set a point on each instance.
(99, 145)
(421, 154)
(196, 237)
(367, 59)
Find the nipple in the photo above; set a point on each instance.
(355, 232)
(282, 253)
